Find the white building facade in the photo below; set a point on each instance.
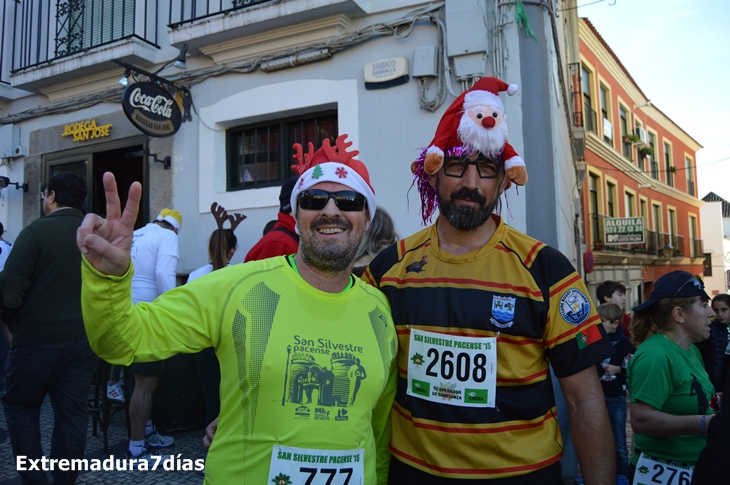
(715, 221)
(263, 75)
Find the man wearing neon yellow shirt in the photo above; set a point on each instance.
(287, 332)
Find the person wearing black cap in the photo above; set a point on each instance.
(281, 240)
(669, 388)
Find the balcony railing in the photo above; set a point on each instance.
(656, 241)
(670, 177)
(590, 118)
(640, 161)
(185, 11)
(45, 31)
(690, 187)
(697, 248)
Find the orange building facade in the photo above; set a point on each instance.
(639, 164)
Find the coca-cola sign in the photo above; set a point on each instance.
(151, 109)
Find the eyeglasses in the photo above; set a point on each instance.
(346, 200)
(488, 168)
(694, 281)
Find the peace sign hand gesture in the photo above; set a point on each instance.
(106, 243)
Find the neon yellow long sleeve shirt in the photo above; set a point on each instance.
(305, 375)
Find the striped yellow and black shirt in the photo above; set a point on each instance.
(551, 321)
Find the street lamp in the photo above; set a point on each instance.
(667, 251)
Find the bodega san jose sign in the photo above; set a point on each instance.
(151, 109)
(86, 130)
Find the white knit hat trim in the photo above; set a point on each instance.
(333, 172)
(482, 97)
(171, 220)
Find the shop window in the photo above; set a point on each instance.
(260, 155)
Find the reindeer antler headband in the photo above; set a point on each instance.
(221, 216)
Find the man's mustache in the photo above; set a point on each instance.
(473, 195)
(337, 221)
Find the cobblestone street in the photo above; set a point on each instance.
(187, 446)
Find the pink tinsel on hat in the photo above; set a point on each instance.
(429, 201)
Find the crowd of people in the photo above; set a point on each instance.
(433, 367)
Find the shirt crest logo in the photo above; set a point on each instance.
(503, 311)
(574, 306)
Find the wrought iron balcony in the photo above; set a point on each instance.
(697, 249)
(46, 31)
(679, 245)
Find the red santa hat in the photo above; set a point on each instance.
(484, 91)
(331, 164)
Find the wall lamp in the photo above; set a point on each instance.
(667, 251)
(166, 162)
(180, 61)
(131, 68)
(5, 181)
(124, 81)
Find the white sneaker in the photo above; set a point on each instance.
(157, 441)
(115, 392)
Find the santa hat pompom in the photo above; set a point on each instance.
(512, 89)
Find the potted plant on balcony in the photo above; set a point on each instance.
(646, 151)
(672, 169)
(631, 138)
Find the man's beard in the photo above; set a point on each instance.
(463, 217)
(332, 257)
(488, 141)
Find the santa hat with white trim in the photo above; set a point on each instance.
(331, 164)
(172, 217)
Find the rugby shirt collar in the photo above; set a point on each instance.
(484, 251)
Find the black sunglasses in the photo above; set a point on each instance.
(346, 200)
(694, 281)
(488, 168)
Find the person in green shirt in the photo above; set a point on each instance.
(287, 331)
(669, 388)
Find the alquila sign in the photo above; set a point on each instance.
(86, 130)
(151, 109)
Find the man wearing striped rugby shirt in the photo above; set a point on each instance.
(481, 311)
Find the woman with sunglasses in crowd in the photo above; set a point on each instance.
(669, 388)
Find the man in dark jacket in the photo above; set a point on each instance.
(50, 354)
(713, 466)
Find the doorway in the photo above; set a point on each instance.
(126, 169)
(126, 162)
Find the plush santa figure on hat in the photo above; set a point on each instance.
(476, 122)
